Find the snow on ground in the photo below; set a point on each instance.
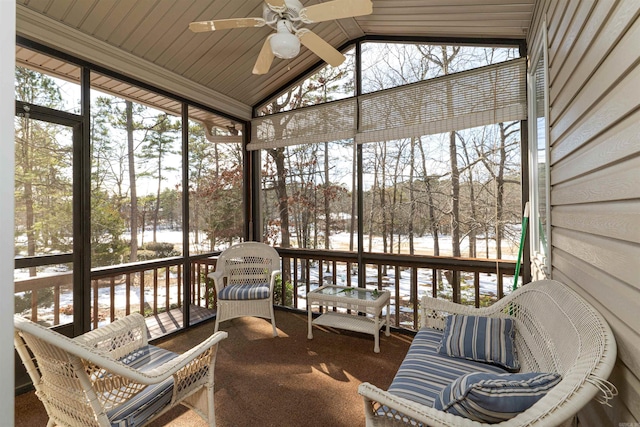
(424, 245)
(488, 282)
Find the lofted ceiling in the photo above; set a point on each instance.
(149, 39)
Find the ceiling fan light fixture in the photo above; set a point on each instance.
(284, 45)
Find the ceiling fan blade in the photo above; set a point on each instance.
(225, 24)
(276, 5)
(336, 9)
(265, 58)
(320, 47)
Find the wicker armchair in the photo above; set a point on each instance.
(557, 331)
(112, 376)
(244, 280)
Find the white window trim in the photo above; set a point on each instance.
(541, 261)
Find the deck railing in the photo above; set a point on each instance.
(61, 283)
(148, 287)
(470, 281)
(152, 287)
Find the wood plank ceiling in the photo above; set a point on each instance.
(156, 32)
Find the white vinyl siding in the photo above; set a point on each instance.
(594, 100)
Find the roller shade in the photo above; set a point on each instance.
(482, 96)
(331, 121)
(478, 97)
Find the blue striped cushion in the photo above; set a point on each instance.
(424, 373)
(244, 292)
(152, 399)
(491, 398)
(483, 339)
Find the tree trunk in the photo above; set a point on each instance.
(354, 193)
(394, 211)
(327, 205)
(500, 193)
(455, 196)
(412, 197)
(472, 225)
(283, 206)
(283, 198)
(472, 201)
(373, 197)
(433, 224)
(156, 209)
(28, 193)
(133, 256)
(383, 196)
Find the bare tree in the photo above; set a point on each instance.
(497, 168)
(431, 204)
(133, 191)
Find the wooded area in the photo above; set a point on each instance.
(462, 186)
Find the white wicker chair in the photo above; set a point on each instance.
(244, 280)
(556, 331)
(112, 375)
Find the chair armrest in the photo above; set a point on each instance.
(218, 279)
(199, 355)
(272, 282)
(375, 398)
(104, 361)
(118, 338)
(115, 381)
(185, 359)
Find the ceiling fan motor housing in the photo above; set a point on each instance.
(291, 14)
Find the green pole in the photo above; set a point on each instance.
(525, 222)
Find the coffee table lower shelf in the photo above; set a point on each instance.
(350, 322)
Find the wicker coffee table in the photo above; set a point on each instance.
(360, 300)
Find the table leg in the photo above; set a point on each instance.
(388, 331)
(376, 333)
(309, 320)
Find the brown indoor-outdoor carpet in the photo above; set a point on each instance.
(284, 381)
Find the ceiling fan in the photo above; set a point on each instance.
(287, 18)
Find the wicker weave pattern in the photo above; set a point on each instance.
(80, 380)
(248, 270)
(556, 331)
(59, 388)
(119, 338)
(195, 374)
(248, 263)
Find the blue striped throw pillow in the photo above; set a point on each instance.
(483, 339)
(491, 398)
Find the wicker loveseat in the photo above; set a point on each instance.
(556, 331)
